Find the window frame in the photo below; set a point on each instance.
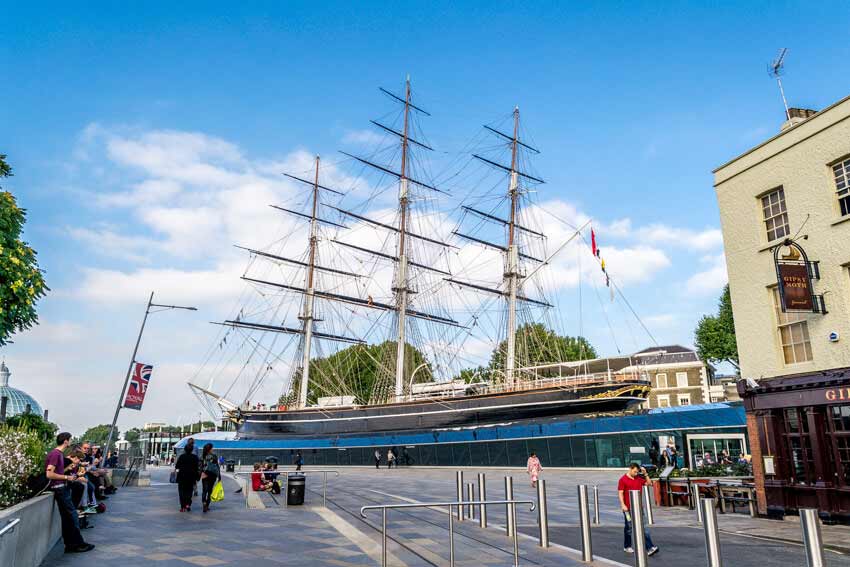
(685, 397)
(842, 194)
(797, 325)
(658, 380)
(678, 381)
(665, 398)
(772, 219)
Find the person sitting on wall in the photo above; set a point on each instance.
(258, 480)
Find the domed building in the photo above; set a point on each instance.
(18, 400)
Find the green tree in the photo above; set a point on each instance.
(45, 430)
(536, 345)
(132, 435)
(23, 283)
(715, 334)
(356, 369)
(97, 435)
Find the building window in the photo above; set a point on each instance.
(684, 399)
(664, 401)
(840, 433)
(799, 446)
(682, 379)
(842, 185)
(793, 333)
(660, 380)
(775, 215)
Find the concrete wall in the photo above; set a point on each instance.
(39, 530)
(799, 160)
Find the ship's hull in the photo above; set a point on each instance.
(466, 411)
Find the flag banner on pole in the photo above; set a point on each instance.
(138, 386)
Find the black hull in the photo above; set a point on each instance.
(468, 411)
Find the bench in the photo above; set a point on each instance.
(678, 488)
(736, 494)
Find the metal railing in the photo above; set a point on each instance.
(450, 505)
(284, 489)
(10, 527)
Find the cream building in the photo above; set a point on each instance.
(795, 365)
(797, 183)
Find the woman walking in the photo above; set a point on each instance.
(187, 467)
(534, 469)
(210, 473)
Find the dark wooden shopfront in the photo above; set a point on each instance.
(801, 425)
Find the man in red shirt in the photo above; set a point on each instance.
(634, 479)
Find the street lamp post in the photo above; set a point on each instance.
(151, 304)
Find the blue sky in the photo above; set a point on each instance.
(110, 115)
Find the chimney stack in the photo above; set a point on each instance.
(797, 115)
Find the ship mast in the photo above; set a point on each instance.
(400, 288)
(512, 257)
(309, 297)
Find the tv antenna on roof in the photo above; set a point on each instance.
(776, 70)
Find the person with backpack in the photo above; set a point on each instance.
(299, 461)
(210, 474)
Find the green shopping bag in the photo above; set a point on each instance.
(217, 492)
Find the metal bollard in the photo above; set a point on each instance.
(638, 533)
(695, 498)
(584, 522)
(812, 539)
(647, 504)
(470, 497)
(384, 537)
(459, 481)
(542, 513)
(452, 537)
(510, 521)
(595, 505)
(712, 535)
(482, 497)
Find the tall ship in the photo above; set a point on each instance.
(376, 308)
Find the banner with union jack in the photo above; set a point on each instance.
(138, 386)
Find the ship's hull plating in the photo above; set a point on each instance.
(468, 411)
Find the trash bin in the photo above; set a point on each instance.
(230, 465)
(295, 490)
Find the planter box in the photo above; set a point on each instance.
(33, 538)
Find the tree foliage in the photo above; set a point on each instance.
(356, 369)
(715, 334)
(34, 423)
(22, 281)
(97, 435)
(536, 345)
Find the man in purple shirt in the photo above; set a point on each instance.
(55, 473)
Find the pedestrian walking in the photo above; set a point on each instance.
(635, 479)
(55, 469)
(533, 467)
(299, 460)
(188, 469)
(210, 474)
(377, 459)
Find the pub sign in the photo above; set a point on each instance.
(794, 275)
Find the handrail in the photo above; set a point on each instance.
(10, 527)
(286, 474)
(437, 504)
(384, 507)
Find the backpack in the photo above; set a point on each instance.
(211, 466)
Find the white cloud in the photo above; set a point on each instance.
(363, 137)
(711, 280)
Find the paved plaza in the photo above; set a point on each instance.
(144, 527)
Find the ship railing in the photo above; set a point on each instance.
(450, 506)
(560, 382)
